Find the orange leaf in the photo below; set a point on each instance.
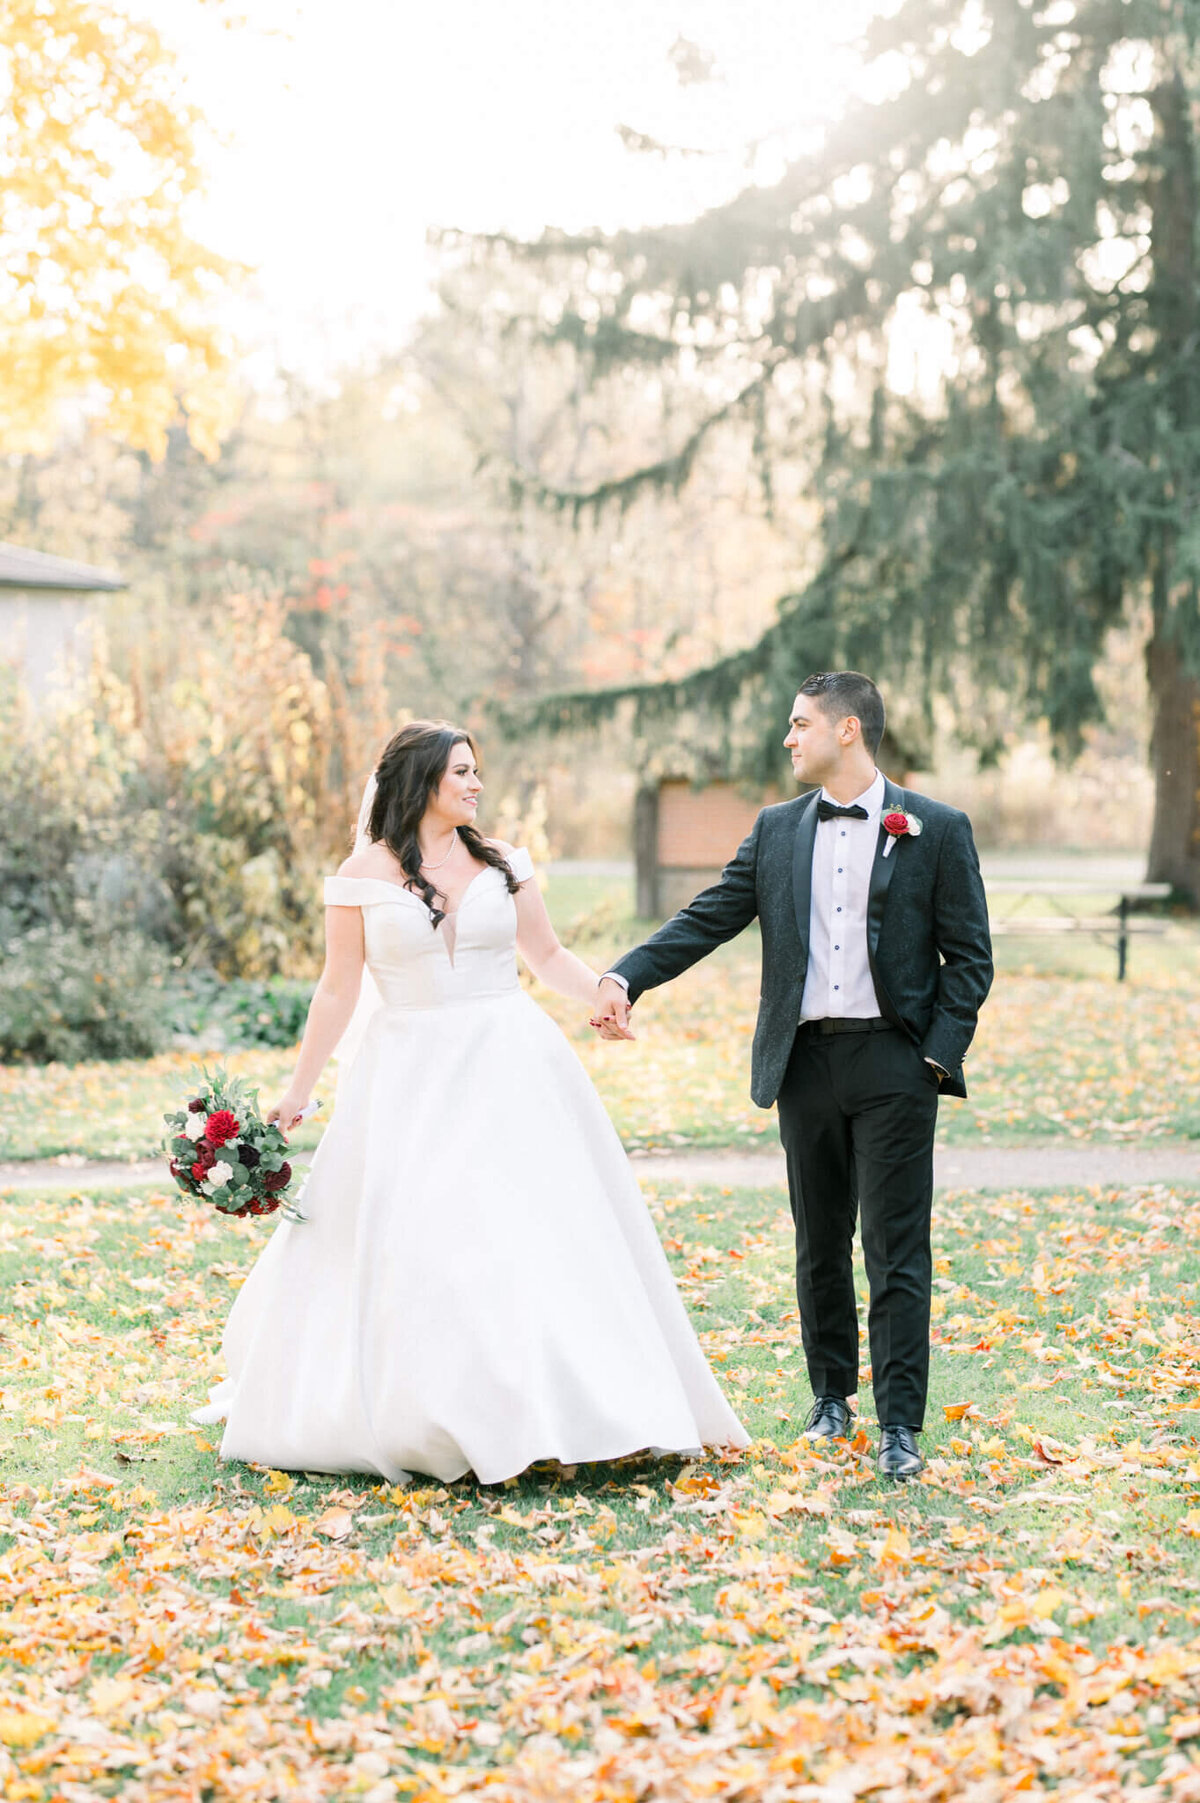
(335, 1524)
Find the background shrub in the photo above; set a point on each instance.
(64, 999)
(206, 1010)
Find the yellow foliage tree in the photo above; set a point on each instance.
(104, 295)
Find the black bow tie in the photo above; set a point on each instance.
(826, 810)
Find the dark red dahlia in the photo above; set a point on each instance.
(248, 1156)
(220, 1127)
(206, 1158)
(277, 1180)
(197, 1105)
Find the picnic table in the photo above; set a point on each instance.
(1058, 892)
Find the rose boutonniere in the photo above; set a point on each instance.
(899, 824)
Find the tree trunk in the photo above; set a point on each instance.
(1175, 691)
(1175, 755)
(645, 851)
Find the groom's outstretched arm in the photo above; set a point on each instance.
(716, 914)
(964, 940)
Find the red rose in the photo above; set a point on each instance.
(895, 823)
(220, 1127)
(276, 1180)
(200, 1171)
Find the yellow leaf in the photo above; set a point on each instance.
(278, 1483)
(1047, 1601)
(22, 1727)
(277, 1519)
(779, 1502)
(1170, 1664)
(511, 1517)
(896, 1548)
(398, 1600)
(107, 1694)
(751, 1527)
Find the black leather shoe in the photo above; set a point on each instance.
(899, 1456)
(829, 1419)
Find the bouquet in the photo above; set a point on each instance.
(220, 1150)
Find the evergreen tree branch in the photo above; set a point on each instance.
(666, 474)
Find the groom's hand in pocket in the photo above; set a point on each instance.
(612, 1011)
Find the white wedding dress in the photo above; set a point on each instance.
(478, 1283)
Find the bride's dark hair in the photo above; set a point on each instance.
(407, 776)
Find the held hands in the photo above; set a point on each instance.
(612, 1011)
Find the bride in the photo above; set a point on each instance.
(477, 1283)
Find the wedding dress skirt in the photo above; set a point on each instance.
(478, 1283)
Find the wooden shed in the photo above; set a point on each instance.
(684, 835)
(46, 608)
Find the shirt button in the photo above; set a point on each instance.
(837, 948)
(839, 910)
(837, 985)
(839, 870)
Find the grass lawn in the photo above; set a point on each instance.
(1027, 1617)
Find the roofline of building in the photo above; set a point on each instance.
(24, 569)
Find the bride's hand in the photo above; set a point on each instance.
(287, 1111)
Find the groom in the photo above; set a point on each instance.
(876, 959)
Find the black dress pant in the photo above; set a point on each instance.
(857, 1113)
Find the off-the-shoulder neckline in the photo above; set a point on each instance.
(400, 889)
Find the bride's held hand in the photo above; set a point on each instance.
(288, 1111)
(612, 1012)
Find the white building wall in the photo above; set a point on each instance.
(47, 635)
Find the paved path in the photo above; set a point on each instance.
(1053, 1165)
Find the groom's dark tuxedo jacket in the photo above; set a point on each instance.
(927, 931)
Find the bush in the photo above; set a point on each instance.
(64, 999)
(239, 1012)
(196, 795)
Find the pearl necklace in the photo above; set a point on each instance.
(426, 865)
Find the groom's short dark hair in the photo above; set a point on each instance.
(842, 692)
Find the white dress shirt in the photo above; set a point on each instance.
(838, 982)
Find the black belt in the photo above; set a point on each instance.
(832, 1024)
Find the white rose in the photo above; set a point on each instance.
(220, 1173)
(194, 1126)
